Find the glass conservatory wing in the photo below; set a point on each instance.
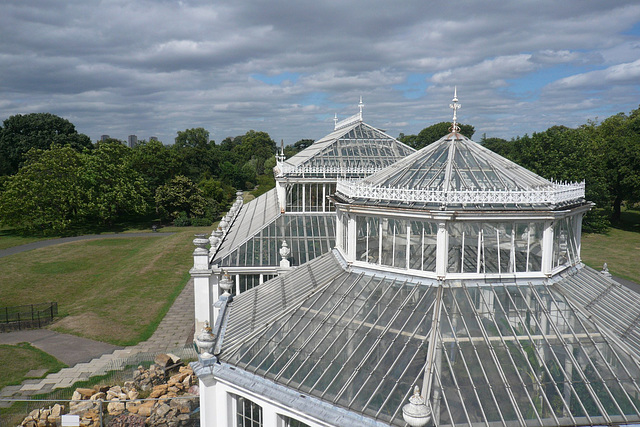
(518, 355)
(253, 216)
(608, 302)
(355, 151)
(307, 235)
(493, 353)
(358, 341)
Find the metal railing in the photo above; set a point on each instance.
(555, 194)
(27, 316)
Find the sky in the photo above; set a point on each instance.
(153, 68)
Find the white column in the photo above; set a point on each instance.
(339, 232)
(224, 408)
(201, 275)
(578, 234)
(442, 250)
(215, 295)
(269, 416)
(207, 405)
(547, 248)
(281, 192)
(324, 197)
(304, 197)
(352, 237)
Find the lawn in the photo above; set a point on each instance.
(18, 360)
(9, 239)
(113, 290)
(620, 249)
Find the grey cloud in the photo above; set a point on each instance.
(160, 66)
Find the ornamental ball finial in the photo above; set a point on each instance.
(416, 413)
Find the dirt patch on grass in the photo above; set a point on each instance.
(92, 326)
(151, 264)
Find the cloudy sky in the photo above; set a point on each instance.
(286, 67)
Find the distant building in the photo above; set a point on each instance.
(104, 137)
(153, 138)
(132, 141)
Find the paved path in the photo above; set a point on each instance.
(174, 335)
(51, 242)
(67, 348)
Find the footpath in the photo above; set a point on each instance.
(88, 358)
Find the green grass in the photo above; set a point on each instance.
(18, 360)
(111, 290)
(9, 238)
(620, 249)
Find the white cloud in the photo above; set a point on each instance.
(161, 66)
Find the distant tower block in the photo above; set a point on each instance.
(104, 137)
(153, 138)
(132, 141)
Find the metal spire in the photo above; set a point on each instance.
(335, 121)
(455, 106)
(360, 105)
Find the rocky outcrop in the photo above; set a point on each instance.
(170, 391)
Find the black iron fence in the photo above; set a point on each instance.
(27, 316)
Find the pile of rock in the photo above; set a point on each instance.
(172, 397)
(44, 417)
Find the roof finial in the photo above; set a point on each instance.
(280, 157)
(335, 121)
(455, 106)
(360, 105)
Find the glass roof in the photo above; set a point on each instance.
(483, 353)
(253, 216)
(307, 235)
(457, 163)
(355, 151)
(456, 170)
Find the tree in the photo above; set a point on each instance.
(562, 154)
(618, 143)
(114, 189)
(194, 138)
(259, 146)
(180, 195)
(410, 140)
(47, 194)
(20, 133)
(155, 162)
(433, 133)
(195, 153)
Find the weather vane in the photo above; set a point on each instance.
(455, 106)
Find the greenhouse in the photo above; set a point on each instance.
(454, 295)
(294, 222)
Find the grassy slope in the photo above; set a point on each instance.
(18, 360)
(620, 249)
(112, 290)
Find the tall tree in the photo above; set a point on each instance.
(20, 133)
(155, 162)
(618, 143)
(195, 153)
(180, 195)
(114, 189)
(47, 193)
(195, 138)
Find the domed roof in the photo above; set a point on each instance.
(458, 171)
(354, 149)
